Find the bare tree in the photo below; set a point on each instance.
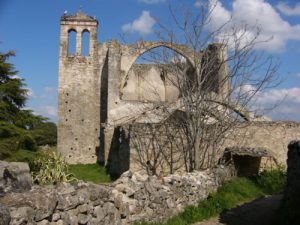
(217, 84)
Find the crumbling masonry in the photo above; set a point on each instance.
(104, 87)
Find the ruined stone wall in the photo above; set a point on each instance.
(149, 82)
(272, 135)
(134, 149)
(133, 197)
(91, 89)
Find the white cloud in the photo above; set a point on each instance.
(50, 110)
(285, 9)
(44, 103)
(199, 3)
(152, 1)
(47, 110)
(30, 93)
(286, 95)
(49, 90)
(143, 25)
(16, 77)
(272, 96)
(297, 75)
(48, 93)
(254, 14)
(279, 103)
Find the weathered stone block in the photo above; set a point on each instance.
(4, 215)
(14, 177)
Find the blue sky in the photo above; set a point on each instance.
(31, 28)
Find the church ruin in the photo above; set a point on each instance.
(105, 87)
(92, 88)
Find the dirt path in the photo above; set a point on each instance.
(258, 212)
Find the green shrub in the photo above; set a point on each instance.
(272, 181)
(8, 147)
(8, 130)
(45, 133)
(5, 132)
(22, 155)
(28, 142)
(50, 168)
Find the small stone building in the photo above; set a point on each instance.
(247, 161)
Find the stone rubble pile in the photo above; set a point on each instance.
(133, 197)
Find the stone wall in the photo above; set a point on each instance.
(133, 197)
(271, 135)
(133, 150)
(149, 82)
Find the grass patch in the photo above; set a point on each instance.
(86, 172)
(230, 195)
(90, 172)
(272, 181)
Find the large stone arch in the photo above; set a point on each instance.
(132, 52)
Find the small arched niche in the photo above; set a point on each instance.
(85, 43)
(72, 42)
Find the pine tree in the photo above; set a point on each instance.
(12, 92)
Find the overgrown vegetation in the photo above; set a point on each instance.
(238, 191)
(90, 172)
(272, 181)
(50, 168)
(20, 129)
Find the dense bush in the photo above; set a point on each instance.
(8, 147)
(28, 142)
(45, 134)
(272, 181)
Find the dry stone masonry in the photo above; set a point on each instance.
(133, 197)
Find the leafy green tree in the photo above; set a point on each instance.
(45, 133)
(27, 120)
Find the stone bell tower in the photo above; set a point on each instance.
(79, 90)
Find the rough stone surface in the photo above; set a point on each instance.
(271, 135)
(4, 215)
(14, 177)
(133, 197)
(84, 81)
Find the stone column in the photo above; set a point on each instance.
(78, 41)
